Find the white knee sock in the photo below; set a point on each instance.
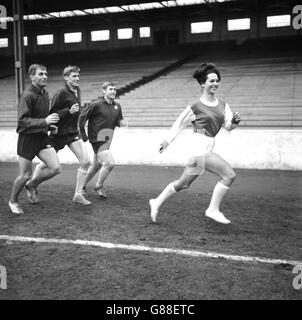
(81, 177)
(219, 192)
(104, 173)
(165, 194)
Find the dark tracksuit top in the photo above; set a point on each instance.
(61, 103)
(101, 116)
(32, 111)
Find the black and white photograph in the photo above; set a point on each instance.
(150, 153)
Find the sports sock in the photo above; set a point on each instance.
(219, 192)
(104, 173)
(81, 177)
(165, 194)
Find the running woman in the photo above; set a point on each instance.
(207, 116)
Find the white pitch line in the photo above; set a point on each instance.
(191, 253)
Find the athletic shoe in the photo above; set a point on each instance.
(32, 195)
(153, 210)
(15, 208)
(100, 192)
(217, 216)
(79, 198)
(84, 192)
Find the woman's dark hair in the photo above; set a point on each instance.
(202, 71)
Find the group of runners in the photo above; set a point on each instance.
(46, 127)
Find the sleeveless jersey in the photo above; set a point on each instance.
(208, 119)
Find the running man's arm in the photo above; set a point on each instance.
(231, 120)
(84, 116)
(121, 121)
(181, 122)
(58, 105)
(24, 114)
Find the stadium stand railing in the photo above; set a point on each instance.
(127, 75)
(264, 91)
(154, 91)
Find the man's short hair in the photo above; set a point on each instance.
(107, 84)
(34, 67)
(67, 71)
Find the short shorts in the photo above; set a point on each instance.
(59, 142)
(30, 145)
(199, 145)
(97, 145)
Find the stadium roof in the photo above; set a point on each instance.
(65, 9)
(44, 9)
(46, 6)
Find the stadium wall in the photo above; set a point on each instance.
(249, 149)
(162, 23)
